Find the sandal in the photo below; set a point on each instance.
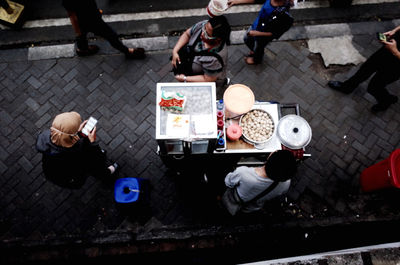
(137, 53)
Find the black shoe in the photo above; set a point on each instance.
(382, 106)
(138, 53)
(340, 86)
(92, 49)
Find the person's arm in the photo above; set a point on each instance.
(390, 33)
(232, 179)
(196, 78)
(240, 2)
(183, 40)
(256, 33)
(391, 45)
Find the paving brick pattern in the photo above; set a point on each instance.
(347, 138)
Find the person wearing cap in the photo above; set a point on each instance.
(248, 188)
(272, 21)
(69, 157)
(206, 44)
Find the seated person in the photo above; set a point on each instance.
(247, 185)
(67, 156)
(206, 43)
(272, 21)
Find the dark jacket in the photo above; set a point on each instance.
(66, 167)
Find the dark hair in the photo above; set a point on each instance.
(281, 165)
(221, 28)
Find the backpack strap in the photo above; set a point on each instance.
(260, 195)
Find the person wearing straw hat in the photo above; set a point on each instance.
(69, 157)
(272, 21)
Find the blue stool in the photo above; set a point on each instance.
(127, 190)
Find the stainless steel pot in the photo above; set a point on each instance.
(294, 131)
(246, 138)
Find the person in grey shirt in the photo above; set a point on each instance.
(246, 183)
(207, 40)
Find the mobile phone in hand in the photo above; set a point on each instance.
(89, 126)
(381, 36)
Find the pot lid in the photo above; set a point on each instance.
(294, 131)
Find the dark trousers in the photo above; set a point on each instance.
(386, 69)
(102, 29)
(257, 45)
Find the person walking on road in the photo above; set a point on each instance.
(384, 64)
(85, 17)
(272, 21)
(248, 188)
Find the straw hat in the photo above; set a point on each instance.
(64, 130)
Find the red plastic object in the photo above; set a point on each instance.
(298, 153)
(234, 132)
(384, 174)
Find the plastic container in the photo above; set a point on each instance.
(220, 104)
(217, 7)
(238, 99)
(220, 124)
(127, 190)
(221, 142)
(220, 115)
(234, 132)
(384, 174)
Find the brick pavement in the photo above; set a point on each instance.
(347, 138)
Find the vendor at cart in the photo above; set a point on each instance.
(201, 53)
(250, 187)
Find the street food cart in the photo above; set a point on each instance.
(191, 124)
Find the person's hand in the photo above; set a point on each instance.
(82, 125)
(391, 45)
(180, 77)
(92, 135)
(389, 34)
(231, 3)
(175, 59)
